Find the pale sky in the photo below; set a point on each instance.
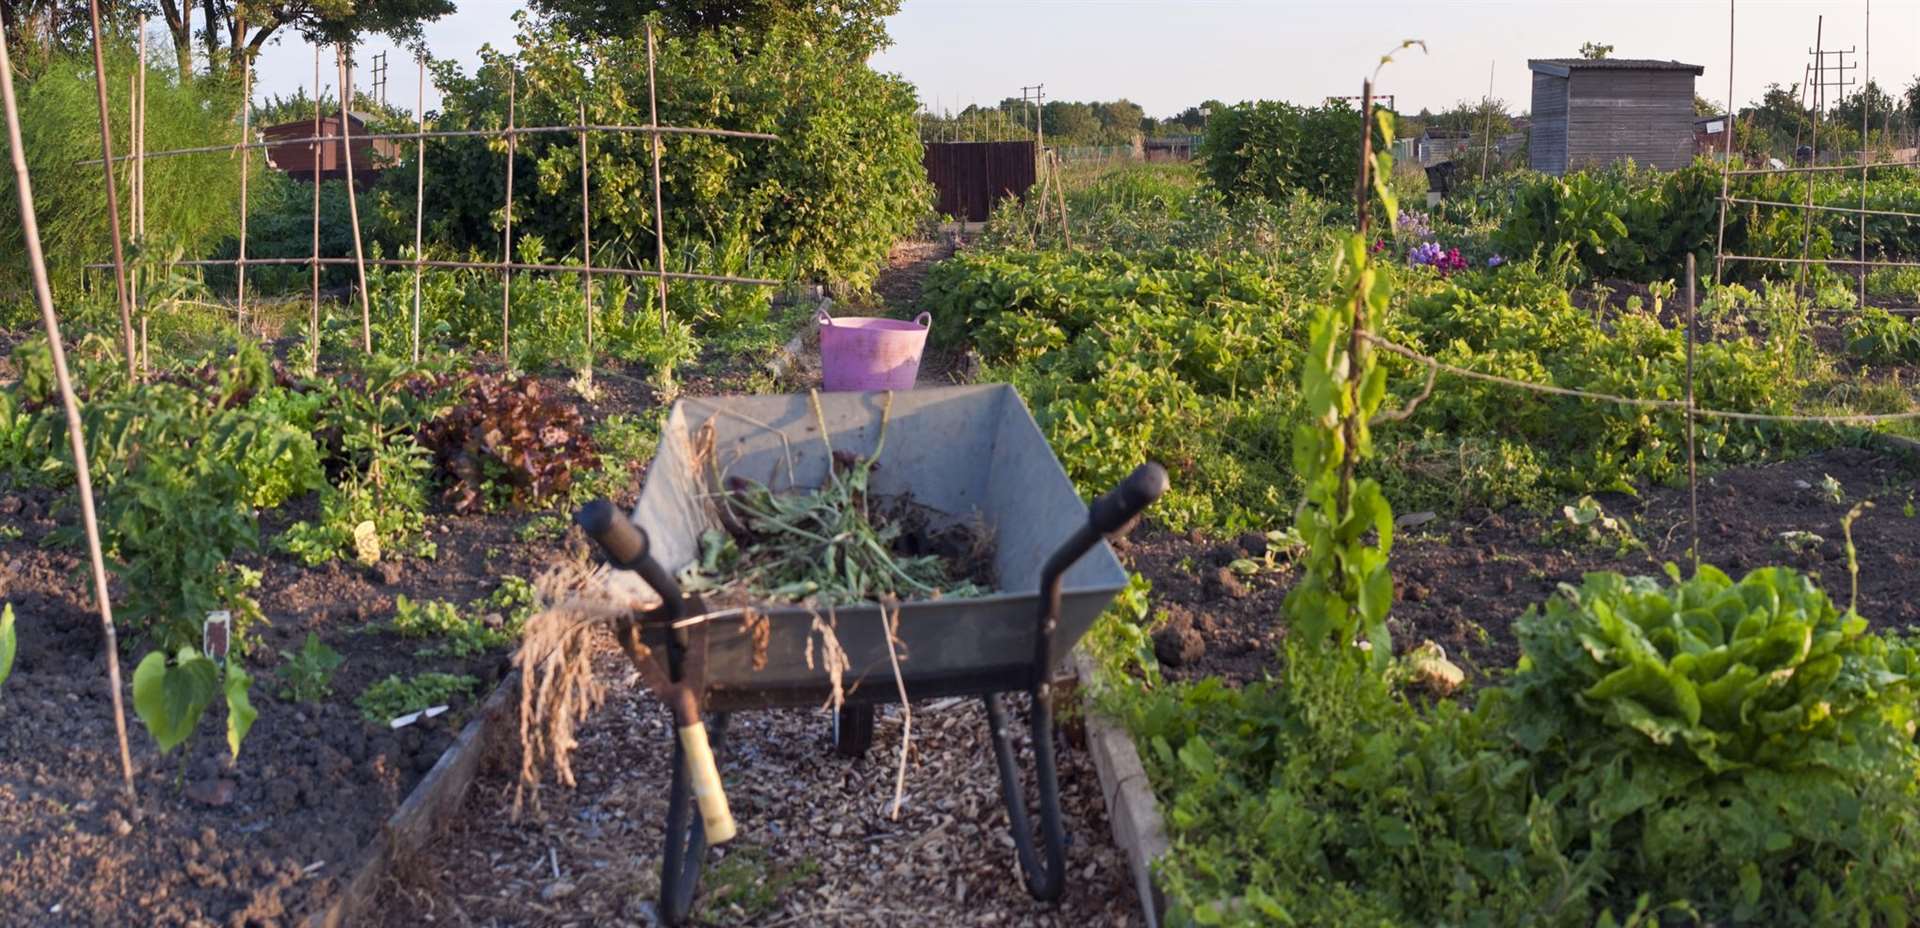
(1170, 54)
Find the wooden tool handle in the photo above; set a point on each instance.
(708, 793)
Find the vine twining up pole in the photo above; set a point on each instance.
(1346, 589)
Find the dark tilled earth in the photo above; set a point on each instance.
(1462, 582)
(313, 783)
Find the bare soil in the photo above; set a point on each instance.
(1462, 583)
(268, 839)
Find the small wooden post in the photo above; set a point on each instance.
(1060, 194)
(506, 249)
(586, 236)
(113, 196)
(659, 210)
(353, 200)
(43, 294)
(1693, 473)
(419, 199)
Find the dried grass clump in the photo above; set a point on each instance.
(557, 684)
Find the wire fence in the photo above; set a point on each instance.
(344, 141)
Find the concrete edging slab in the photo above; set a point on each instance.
(1131, 809)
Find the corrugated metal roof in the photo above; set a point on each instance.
(1560, 66)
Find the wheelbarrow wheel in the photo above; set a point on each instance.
(853, 730)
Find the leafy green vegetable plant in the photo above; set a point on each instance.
(1745, 746)
(306, 675)
(388, 699)
(509, 444)
(9, 643)
(171, 694)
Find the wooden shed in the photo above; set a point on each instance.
(1594, 112)
(295, 157)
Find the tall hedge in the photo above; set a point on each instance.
(825, 201)
(1269, 148)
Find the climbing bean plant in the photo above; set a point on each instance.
(1346, 589)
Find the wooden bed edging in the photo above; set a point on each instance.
(433, 800)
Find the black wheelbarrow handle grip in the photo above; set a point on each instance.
(1140, 489)
(1108, 514)
(627, 547)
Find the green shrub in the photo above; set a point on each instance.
(1270, 148)
(1616, 222)
(827, 199)
(1880, 337)
(179, 464)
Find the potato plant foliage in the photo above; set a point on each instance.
(1689, 749)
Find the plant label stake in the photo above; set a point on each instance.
(216, 636)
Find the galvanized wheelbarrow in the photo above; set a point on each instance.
(973, 452)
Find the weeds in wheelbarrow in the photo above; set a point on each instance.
(835, 545)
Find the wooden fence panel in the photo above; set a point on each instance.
(970, 177)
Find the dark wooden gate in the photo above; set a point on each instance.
(970, 177)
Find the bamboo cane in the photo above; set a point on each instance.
(43, 294)
(659, 210)
(586, 239)
(113, 193)
(353, 199)
(246, 163)
(313, 308)
(419, 201)
(506, 255)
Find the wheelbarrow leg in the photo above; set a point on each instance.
(1045, 878)
(686, 851)
(853, 730)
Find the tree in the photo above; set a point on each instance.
(1070, 123)
(1870, 101)
(1473, 116)
(242, 27)
(825, 200)
(859, 23)
(1594, 51)
(1705, 107)
(1119, 121)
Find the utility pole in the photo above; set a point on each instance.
(1038, 93)
(380, 78)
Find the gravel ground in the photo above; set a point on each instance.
(815, 845)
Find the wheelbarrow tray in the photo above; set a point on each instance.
(970, 452)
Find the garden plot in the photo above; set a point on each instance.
(1462, 580)
(341, 648)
